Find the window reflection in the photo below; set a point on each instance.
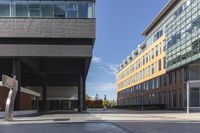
(34, 9)
(82, 9)
(59, 10)
(72, 10)
(20, 9)
(4, 9)
(47, 9)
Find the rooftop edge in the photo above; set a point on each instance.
(160, 15)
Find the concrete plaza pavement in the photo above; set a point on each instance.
(106, 121)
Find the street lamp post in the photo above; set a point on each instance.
(188, 98)
(142, 102)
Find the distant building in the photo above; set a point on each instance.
(157, 71)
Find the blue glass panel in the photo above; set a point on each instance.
(4, 9)
(47, 10)
(72, 10)
(83, 10)
(59, 10)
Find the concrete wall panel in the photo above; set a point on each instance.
(14, 50)
(45, 28)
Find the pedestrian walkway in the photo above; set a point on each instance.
(107, 121)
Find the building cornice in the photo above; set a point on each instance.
(168, 7)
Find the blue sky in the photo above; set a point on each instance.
(119, 27)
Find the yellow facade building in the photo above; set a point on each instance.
(148, 64)
(142, 71)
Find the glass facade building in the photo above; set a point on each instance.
(183, 35)
(47, 8)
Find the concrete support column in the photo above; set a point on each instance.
(44, 95)
(84, 87)
(17, 73)
(80, 92)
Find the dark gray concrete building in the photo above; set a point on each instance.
(48, 46)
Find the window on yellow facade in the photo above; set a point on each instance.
(164, 62)
(149, 71)
(143, 60)
(164, 45)
(156, 68)
(152, 69)
(142, 74)
(159, 65)
(152, 53)
(136, 77)
(146, 72)
(156, 51)
(149, 55)
(138, 63)
(160, 46)
(147, 58)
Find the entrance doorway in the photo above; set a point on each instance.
(62, 104)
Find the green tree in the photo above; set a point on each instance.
(106, 103)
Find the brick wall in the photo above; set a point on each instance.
(26, 103)
(3, 97)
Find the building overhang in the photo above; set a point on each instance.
(61, 51)
(48, 28)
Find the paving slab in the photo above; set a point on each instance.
(106, 121)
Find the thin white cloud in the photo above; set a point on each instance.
(96, 60)
(107, 67)
(113, 68)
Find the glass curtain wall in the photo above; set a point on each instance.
(34, 9)
(71, 9)
(4, 8)
(59, 9)
(183, 35)
(20, 9)
(47, 9)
